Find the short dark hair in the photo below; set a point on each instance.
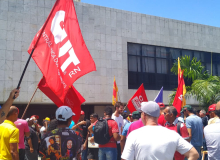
(124, 115)
(172, 109)
(118, 104)
(94, 115)
(12, 111)
(53, 125)
(108, 111)
(217, 112)
(64, 122)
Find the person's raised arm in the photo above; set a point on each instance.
(5, 108)
(14, 151)
(78, 124)
(192, 154)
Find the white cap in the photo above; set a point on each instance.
(151, 108)
(29, 119)
(63, 113)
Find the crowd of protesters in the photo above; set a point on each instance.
(155, 132)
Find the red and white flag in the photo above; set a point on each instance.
(134, 104)
(177, 103)
(73, 98)
(59, 49)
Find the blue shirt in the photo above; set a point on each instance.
(195, 123)
(125, 130)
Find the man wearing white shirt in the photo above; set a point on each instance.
(212, 136)
(119, 107)
(147, 143)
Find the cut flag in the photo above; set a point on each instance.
(115, 93)
(184, 87)
(59, 49)
(177, 103)
(159, 97)
(134, 104)
(73, 98)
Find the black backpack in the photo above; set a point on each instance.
(101, 134)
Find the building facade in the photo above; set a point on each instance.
(135, 48)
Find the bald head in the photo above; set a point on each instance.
(12, 110)
(218, 106)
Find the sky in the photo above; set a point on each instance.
(205, 12)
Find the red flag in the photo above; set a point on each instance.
(134, 104)
(177, 103)
(73, 98)
(61, 53)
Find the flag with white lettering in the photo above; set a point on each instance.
(134, 104)
(60, 51)
(72, 98)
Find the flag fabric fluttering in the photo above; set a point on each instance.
(177, 103)
(60, 52)
(72, 98)
(159, 97)
(179, 78)
(115, 93)
(134, 104)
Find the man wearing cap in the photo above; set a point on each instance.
(211, 112)
(173, 123)
(82, 127)
(195, 129)
(161, 119)
(212, 136)
(135, 116)
(147, 142)
(43, 129)
(61, 143)
(31, 142)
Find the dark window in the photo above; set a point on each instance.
(151, 65)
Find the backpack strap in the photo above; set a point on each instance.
(107, 125)
(178, 127)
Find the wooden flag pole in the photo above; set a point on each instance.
(29, 102)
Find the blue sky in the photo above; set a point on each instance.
(197, 11)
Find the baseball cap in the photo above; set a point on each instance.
(82, 112)
(136, 115)
(47, 119)
(161, 105)
(188, 107)
(29, 119)
(212, 108)
(36, 116)
(151, 108)
(63, 113)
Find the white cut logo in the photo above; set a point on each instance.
(136, 101)
(59, 35)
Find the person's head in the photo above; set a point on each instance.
(108, 111)
(53, 125)
(52, 140)
(162, 107)
(124, 115)
(150, 111)
(64, 116)
(202, 113)
(69, 144)
(198, 113)
(217, 109)
(35, 118)
(136, 115)
(94, 117)
(30, 121)
(187, 110)
(211, 110)
(82, 116)
(12, 114)
(119, 107)
(47, 119)
(170, 114)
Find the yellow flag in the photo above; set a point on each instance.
(115, 93)
(184, 87)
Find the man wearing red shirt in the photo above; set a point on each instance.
(170, 114)
(161, 119)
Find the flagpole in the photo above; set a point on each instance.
(29, 102)
(19, 83)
